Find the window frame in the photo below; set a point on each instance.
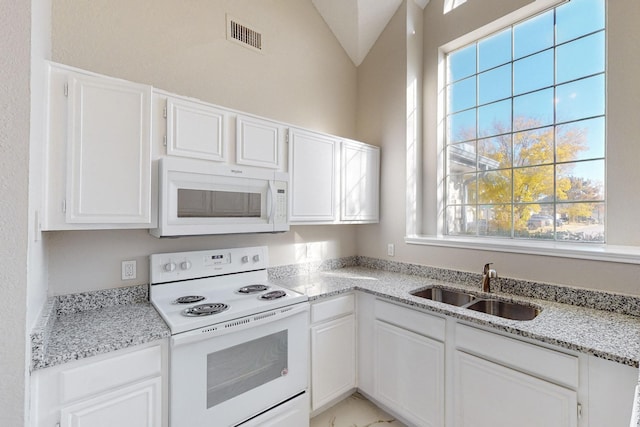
(422, 226)
(470, 169)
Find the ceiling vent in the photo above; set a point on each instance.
(242, 34)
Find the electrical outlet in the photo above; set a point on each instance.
(391, 249)
(128, 270)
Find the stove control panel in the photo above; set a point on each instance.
(217, 259)
(171, 267)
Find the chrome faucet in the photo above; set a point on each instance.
(487, 274)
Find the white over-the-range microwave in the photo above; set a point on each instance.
(197, 197)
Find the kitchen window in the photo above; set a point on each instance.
(524, 139)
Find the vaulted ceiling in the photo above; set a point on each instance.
(357, 24)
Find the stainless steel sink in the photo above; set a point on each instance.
(508, 310)
(446, 296)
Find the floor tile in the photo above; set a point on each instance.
(354, 411)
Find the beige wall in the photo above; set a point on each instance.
(381, 121)
(81, 261)
(381, 107)
(15, 49)
(182, 49)
(303, 77)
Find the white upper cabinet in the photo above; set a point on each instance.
(98, 153)
(195, 129)
(259, 142)
(313, 170)
(333, 181)
(360, 182)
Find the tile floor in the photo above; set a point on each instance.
(354, 411)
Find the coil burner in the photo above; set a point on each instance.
(269, 296)
(189, 299)
(205, 309)
(252, 289)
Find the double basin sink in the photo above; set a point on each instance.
(495, 307)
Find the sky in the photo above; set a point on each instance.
(578, 71)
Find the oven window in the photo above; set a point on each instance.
(218, 204)
(238, 369)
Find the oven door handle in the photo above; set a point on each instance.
(240, 324)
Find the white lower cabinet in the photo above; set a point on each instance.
(431, 370)
(408, 368)
(610, 393)
(409, 373)
(333, 350)
(125, 388)
(489, 394)
(137, 405)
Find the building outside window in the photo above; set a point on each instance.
(525, 129)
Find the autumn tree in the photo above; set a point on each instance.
(518, 168)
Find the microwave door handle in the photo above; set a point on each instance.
(270, 202)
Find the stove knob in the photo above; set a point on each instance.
(256, 258)
(245, 259)
(185, 265)
(170, 266)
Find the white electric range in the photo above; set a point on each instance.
(239, 345)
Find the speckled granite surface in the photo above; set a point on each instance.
(82, 325)
(86, 324)
(605, 334)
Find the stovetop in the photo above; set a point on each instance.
(193, 290)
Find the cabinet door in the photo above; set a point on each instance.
(612, 387)
(109, 151)
(195, 130)
(333, 360)
(259, 142)
(409, 374)
(312, 172)
(138, 405)
(488, 394)
(360, 166)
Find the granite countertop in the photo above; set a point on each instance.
(605, 325)
(609, 335)
(81, 325)
(76, 326)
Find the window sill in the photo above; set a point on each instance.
(588, 251)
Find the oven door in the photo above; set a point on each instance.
(225, 374)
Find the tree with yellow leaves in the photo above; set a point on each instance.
(523, 175)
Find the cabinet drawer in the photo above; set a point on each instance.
(412, 320)
(542, 362)
(108, 373)
(334, 307)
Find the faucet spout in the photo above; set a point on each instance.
(487, 274)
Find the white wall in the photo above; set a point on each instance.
(15, 28)
(304, 78)
(382, 81)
